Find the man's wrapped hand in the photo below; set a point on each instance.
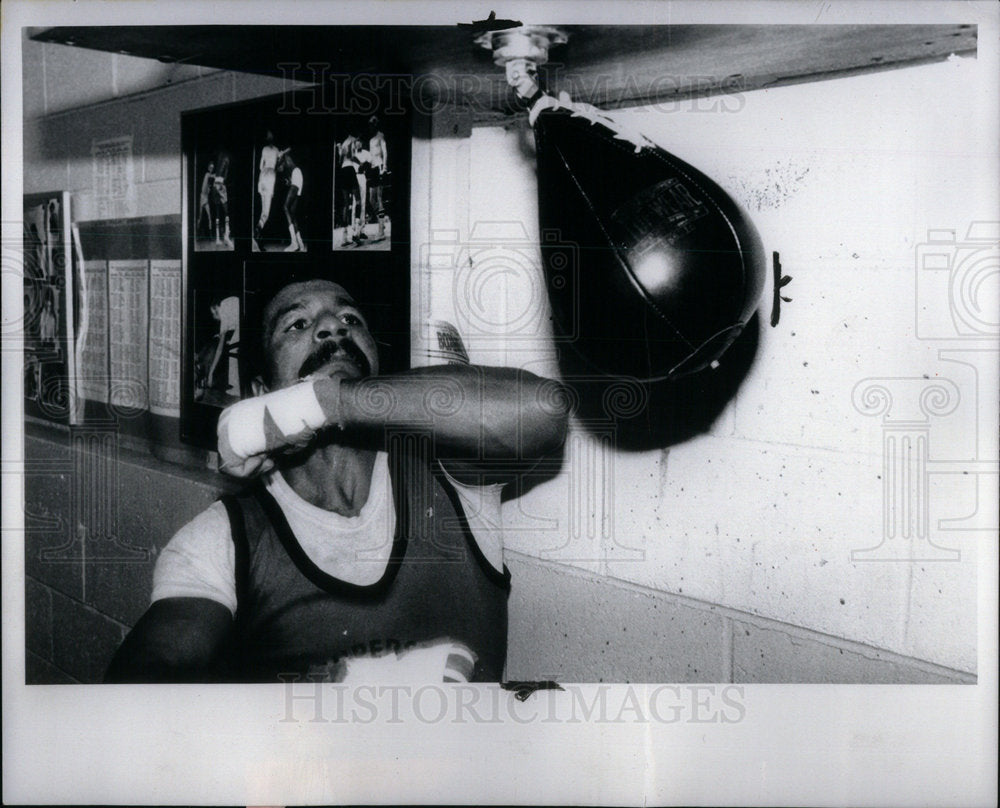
(252, 429)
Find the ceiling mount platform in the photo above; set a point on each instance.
(529, 42)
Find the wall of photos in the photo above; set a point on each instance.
(276, 190)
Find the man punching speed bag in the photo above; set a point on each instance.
(652, 269)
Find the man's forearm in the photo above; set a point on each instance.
(474, 413)
(472, 410)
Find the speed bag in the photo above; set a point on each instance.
(652, 269)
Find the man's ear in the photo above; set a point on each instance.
(257, 386)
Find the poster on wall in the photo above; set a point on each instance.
(93, 367)
(165, 337)
(49, 357)
(215, 369)
(114, 178)
(128, 331)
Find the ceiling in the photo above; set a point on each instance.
(609, 66)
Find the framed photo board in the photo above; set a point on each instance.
(278, 190)
(50, 298)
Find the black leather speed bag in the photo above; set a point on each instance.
(652, 269)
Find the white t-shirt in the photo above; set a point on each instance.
(200, 562)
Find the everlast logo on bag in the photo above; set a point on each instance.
(662, 213)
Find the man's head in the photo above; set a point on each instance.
(315, 327)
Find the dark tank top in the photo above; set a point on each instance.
(295, 621)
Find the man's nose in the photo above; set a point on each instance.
(328, 327)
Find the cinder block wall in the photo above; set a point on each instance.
(785, 542)
(96, 516)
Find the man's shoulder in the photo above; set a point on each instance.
(198, 561)
(211, 522)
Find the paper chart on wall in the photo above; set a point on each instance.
(114, 178)
(128, 331)
(165, 337)
(93, 371)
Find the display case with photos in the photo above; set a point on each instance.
(49, 322)
(277, 190)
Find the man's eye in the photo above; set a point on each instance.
(297, 325)
(351, 319)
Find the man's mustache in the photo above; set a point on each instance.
(329, 350)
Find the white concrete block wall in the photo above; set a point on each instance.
(844, 179)
(751, 526)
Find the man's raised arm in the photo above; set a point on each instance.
(477, 414)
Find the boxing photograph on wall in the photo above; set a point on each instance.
(216, 340)
(362, 185)
(213, 228)
(283, 183)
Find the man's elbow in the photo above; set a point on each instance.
(546, 418)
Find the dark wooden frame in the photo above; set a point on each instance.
(378, 279)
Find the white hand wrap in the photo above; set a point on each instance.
(251, 429)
